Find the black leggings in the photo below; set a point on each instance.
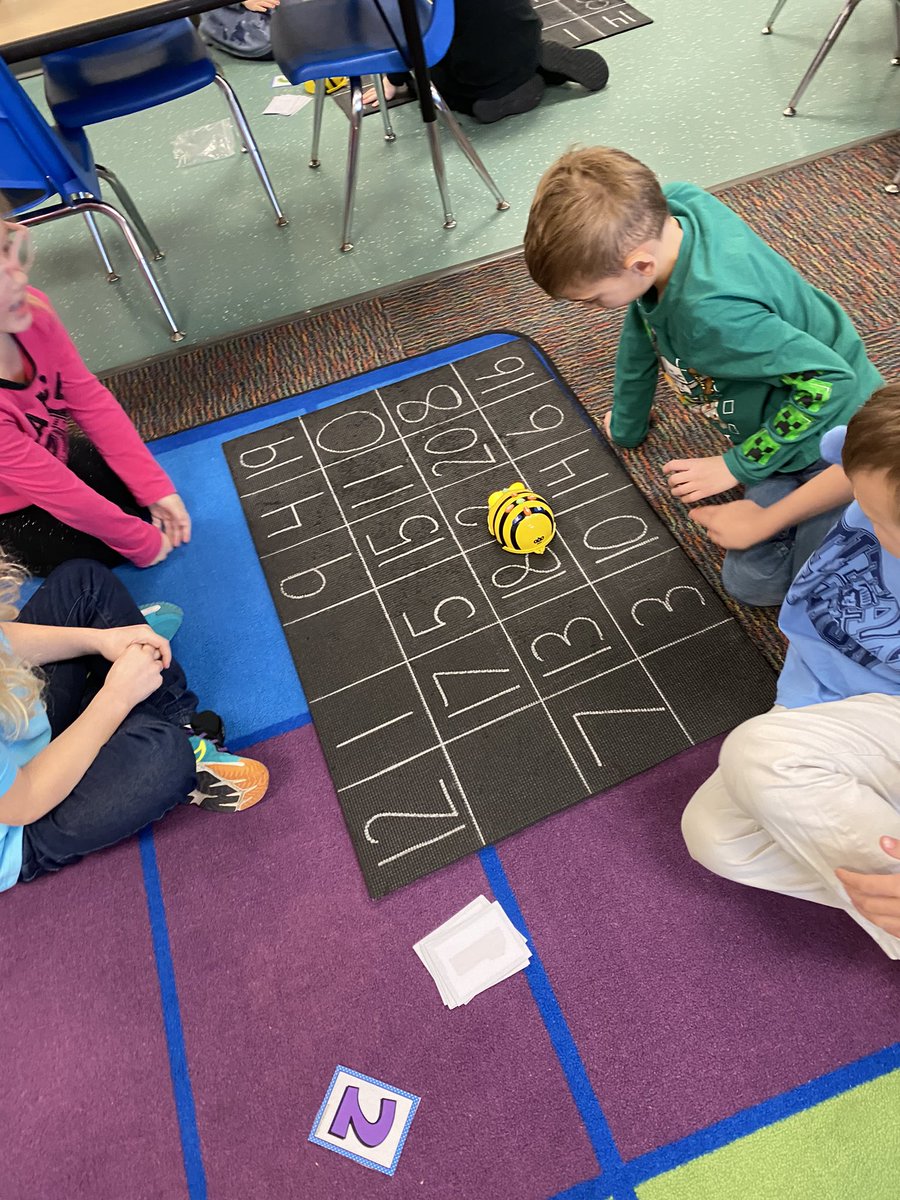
(496, 47)
(40, 542)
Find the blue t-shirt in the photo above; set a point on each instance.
(12, 756)
(842, 613)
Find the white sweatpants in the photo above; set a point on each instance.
(799, 792)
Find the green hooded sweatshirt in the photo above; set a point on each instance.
(739, 334)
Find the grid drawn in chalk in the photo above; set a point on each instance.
(578, 22)
(460, 692)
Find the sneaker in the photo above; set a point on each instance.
(225, 782)
(163, 618)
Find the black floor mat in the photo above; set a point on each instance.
(578, 22)
(461, 692)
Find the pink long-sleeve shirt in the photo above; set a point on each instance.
(34, 442)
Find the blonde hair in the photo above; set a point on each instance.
(591, 209)
(20, 684)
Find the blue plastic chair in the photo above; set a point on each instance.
(126, 74)
(315, 39)
(35, 166)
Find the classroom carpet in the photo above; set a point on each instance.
(174, 1008)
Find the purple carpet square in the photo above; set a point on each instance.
(689, 997)
(285, 967)
(87, 1111)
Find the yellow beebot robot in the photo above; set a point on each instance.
(520, 520)
(333, 83)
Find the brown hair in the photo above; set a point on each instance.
(873, 436)
(591, 209)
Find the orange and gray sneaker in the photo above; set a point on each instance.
(226, 782)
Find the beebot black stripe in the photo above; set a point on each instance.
(509, 517)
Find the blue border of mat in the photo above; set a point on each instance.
(766, 1113)
(194, 1171)
(742, 1124)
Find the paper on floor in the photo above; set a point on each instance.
(286, 106)
(472, 951)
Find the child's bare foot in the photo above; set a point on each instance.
(370, 96)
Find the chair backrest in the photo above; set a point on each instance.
(436, 35)
(440, 32)
(124, 56)
(312, 39)
(31, 156)
(153, 39)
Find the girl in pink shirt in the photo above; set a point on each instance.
(100, 496)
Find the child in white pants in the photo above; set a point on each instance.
(806, 799)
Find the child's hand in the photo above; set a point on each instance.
(165, 549)
(693, 479)
(170, 516)
(607, 425)
(735, 526)
(877, 897)
(260, 5)
(112, 643)
(134, 676)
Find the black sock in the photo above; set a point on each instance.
(569, 64)
(209, 725)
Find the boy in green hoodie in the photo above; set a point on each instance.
(772, 361)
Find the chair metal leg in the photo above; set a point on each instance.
(356, 115)
(440, 172)
(252, 149)
(895, 61)
(318, 110)
(131, 209)
(894, 186)
(146, 270)
(389, 135)
(468, 149)
(821, 54)
(89, 207)
(111, 275)
(767, 28)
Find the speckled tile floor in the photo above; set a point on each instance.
(698, 95)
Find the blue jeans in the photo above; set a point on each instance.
(763, 574)
(146, 767)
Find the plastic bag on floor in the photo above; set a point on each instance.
(205, 144)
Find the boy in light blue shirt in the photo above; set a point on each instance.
(806, 799)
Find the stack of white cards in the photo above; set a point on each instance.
(472, 951)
